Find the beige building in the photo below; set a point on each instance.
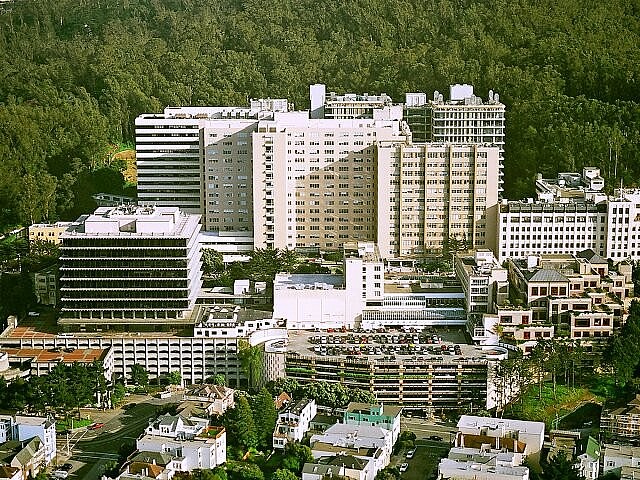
(432, 194)
(314, 180)
(49, 232)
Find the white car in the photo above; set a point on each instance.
(403, 467)
(60, 474)
(411, 453)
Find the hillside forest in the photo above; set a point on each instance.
(74, 74)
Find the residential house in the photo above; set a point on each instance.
(294, 422)
(22, 428)
(617, 457)
(214, 399)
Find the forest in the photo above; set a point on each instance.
(74, 74)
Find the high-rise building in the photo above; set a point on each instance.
(347, 170)
(433, 195)
(314, 180)
(199, 159)
(463, 119)
(130, 265)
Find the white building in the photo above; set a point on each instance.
(531, 434)
(484, 281)
(346, 466)
(481, 467)
(620, 456)
(432, 195)
(589, 461)
(294, 422)
(361, 441)
(130, 265)
(21, 428)
(190, 441)
(463, 119)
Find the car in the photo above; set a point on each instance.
(60, 474)
(435, 438)
(96, 426)
(411, 453)
(33, 314)
(403, 467)
(66, 467)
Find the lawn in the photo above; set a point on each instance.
(549, 407)
(63, 425)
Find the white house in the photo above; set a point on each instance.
(294, 422)
(190, 441)
(361, 441)
(22, 428)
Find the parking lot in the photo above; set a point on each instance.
(424, 463)
(386, 342)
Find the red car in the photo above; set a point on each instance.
(96, 426)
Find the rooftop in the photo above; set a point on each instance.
(469, 421)
(67, 355)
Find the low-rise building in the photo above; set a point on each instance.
(589, 461)
(27, 456)
(340, 466)
(48, 232)
(369, 443)
(481, 467)
(622, 422)
(22, 428)
(617, 457)
(294, 422)
(214, 399)
(530, 434)
(191, 442)
(384, 416)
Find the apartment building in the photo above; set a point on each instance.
(623, 225)
(314, 180)
(45, 286)
(293, 423)
(463, 119)
(503, 432)
(432, 195)
(130, 265)
(366, 442)
(22, 428)
(624, 422)
(618, 458)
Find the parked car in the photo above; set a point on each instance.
(403, 467)
(96, 426)
(60, 474)
(411, 453)
(435, 438)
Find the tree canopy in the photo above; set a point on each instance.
(74, 75)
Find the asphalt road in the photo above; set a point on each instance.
(92, 450)
(425, 428)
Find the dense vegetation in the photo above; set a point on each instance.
(74, 75)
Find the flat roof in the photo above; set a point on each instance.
(42, 355)
(470, 421)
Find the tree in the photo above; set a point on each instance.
(174, 377)
(295, 456)
(139, 375)
(219, 379)
(252, 362)
(212, 262)
(284, 474)
(239, 424)
(560, 466)
(264, 417)
(118, 394)
(244, 471)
